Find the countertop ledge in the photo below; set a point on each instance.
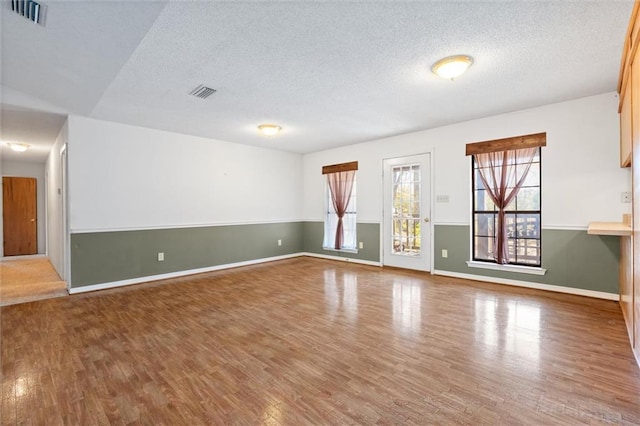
(611, 228)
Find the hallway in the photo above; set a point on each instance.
(29, 279)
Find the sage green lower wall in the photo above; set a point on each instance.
(367, 233)
(571, 258)
(103, 257)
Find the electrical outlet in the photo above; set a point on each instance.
(160, 257)
(442, 198)
(445, 253)
(626, 197)
(360, 245)
(279, 242)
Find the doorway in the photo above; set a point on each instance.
(406, 212)
(26, 271)
(19, 216)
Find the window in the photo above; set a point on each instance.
(340, 217)
(506, 210)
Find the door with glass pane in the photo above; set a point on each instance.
(407, 210)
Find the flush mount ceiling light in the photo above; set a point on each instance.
(18, 147)
(269, 129)
(452, 66)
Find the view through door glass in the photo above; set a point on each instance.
(406, 217)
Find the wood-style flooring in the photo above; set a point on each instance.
(28, 279)
(311, 341)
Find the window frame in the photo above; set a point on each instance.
(515, 212)
(351, 210)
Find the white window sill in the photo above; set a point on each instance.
(344, 250)
(533, 270)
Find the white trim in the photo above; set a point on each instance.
(46, 207)
(342, 250)
(451, 224)
(507, 268)
(24, 256)
(382, 217)
(432, 209)
(189, 225)
(342, 259)
(528, 284)
(65, 212)
(564, 227)
(139, 280)
(317, 220)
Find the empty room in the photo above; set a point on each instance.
(320, 213)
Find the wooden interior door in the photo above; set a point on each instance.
(635, 125)
(19, 212)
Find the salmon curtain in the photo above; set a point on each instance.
(503, 174)
(340, 186)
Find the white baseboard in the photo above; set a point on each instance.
(149, 278)
(342, 259)
(528, 284)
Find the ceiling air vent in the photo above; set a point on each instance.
(202, 92)
(32, 10)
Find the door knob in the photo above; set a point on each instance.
(33, 220)
(426, 219)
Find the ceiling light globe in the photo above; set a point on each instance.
(18, 147)
(452, 67)
(269, 129)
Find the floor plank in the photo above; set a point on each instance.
(310, 341)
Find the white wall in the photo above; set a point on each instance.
(55, 234)
(32, 170)
(1, 220)
(581, 177)
(128, 177)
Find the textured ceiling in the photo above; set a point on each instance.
(74, 58)
(330, 73)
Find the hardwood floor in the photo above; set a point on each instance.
(310, 341)
(28, 279)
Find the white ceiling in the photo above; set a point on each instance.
(18, 125)
(330, 73)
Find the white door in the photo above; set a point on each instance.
(407, 210)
